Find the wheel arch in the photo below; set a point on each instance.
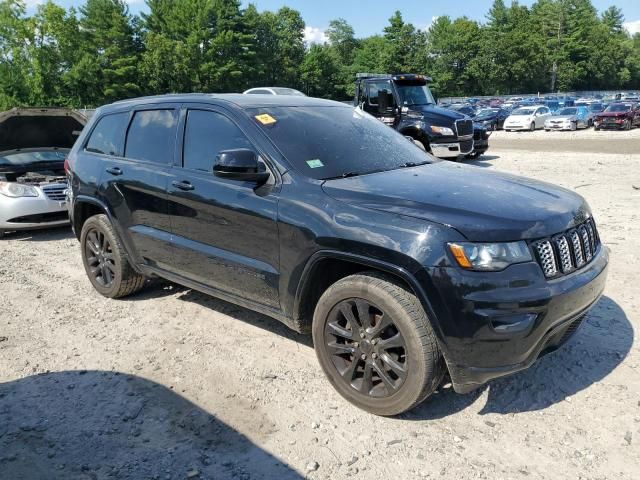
(327, 267)
(85, 207)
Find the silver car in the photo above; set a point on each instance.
(34, 143)
(569, 118)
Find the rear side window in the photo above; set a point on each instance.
(206, 134)
(152, 136)
(108, 135)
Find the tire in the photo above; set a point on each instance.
(1, 234)
(627, 125)
(532, 128)
(105, 261)
(574, 126)
(347, 350)
(597, 129)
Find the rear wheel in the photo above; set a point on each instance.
(105, 261)
(376, 345)
(1, 234)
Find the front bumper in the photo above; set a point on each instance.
(557, 126)
(495, 324)
(516, 126)
(610, 125)
(452, 150)
(29, 213)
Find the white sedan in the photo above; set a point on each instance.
(527, 118)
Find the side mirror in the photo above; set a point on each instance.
(240, 164)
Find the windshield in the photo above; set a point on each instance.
(330, 142)
(567, 111)
(597, 107)
(414, 94)
(26, 158)
(523, 111)
(618, 108)
(490, 112)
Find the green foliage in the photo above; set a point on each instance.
(101, 53)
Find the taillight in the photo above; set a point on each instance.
(67, 168)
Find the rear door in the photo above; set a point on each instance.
(134, 183)
(225, 232)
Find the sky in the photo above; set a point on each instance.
(369, 17)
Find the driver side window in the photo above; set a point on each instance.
(374, 90)
(206, 134)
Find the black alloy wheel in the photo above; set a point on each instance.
(366, 348)
(100, 258)
(376, 345)
(105, 260)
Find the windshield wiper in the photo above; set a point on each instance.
(344, 175)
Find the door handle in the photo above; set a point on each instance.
(114, 171)
(183, 185)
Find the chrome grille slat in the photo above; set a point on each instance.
(568, 251)
(577, 249)
(565, 254)
(547, 258)
(55, 192)
(586, 246)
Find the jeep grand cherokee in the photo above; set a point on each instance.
(404, 268)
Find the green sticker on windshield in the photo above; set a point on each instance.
(315, 163)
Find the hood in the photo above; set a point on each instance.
(613, 114)
(482, 205)
(436, 114)
(22, 128)
(563, 117)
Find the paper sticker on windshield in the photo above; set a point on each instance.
(315, 163)
(266, 119)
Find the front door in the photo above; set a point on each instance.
(225, 232)
(134, 183)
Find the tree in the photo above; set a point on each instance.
(320, 72)
(613, 19)
(107, 68)
(13, 55)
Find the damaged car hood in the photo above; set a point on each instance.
(484, 206)
(32, 128)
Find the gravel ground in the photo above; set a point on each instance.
(172, 384)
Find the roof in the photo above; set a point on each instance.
(238, 99)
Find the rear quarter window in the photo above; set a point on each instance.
(107, 137)
(152, 135)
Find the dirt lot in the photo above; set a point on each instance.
(171, 384)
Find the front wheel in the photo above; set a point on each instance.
(376, 345)
(574, 126)
(532, 128)
(105, 261)
(627, 125)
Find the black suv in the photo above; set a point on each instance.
(403, 267)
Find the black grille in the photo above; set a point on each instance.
(55, 192)
(466, 147)
(41, 218)
(573, 327)
(568, 251)
(464, 128)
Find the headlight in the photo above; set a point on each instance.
(442, 130)
(489, 257)
(14, 190)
